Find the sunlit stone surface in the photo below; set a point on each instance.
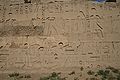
(42, 36)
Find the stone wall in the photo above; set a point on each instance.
(61, 35)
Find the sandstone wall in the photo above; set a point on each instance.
(61, 35)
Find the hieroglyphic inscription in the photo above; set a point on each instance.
(57, 34)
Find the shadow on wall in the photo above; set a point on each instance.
(27, 1)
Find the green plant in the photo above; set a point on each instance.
(53, 76)
(14, 75)
(90, 72)
(114, 70)
(18, 76)
(100, 72)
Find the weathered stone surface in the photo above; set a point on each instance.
(58, 35)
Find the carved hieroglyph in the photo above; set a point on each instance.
(57, 34)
